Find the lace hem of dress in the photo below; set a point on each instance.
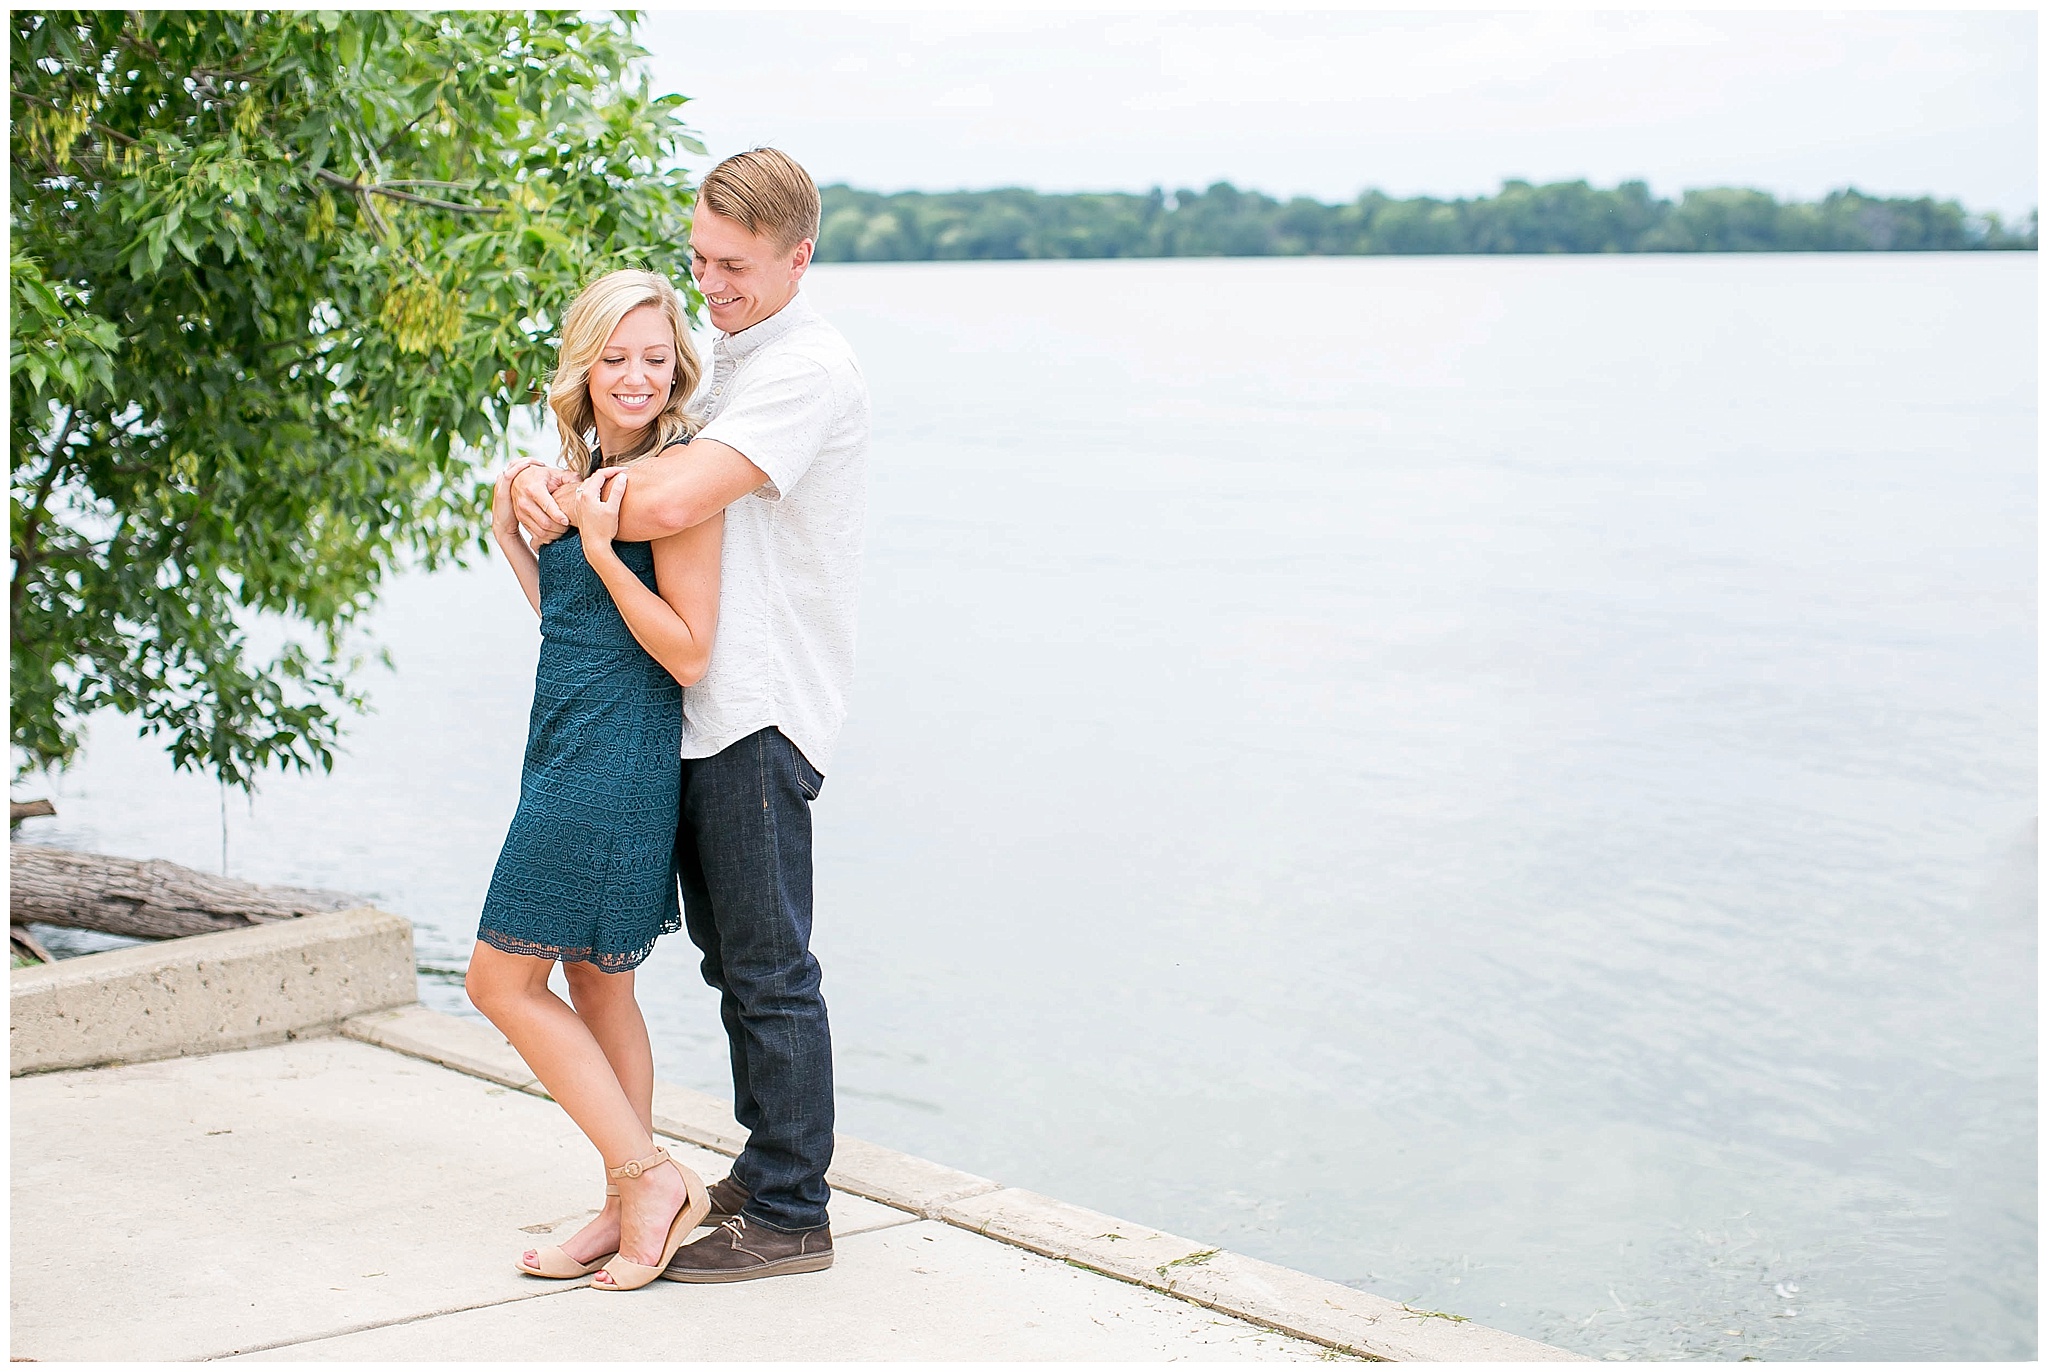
(604, 962)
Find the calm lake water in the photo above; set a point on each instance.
(1509, 783)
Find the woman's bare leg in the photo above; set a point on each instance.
(605, 1003)
(512, 992)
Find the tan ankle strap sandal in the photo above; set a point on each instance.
(622, 1273)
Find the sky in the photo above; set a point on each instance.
(1328, 103)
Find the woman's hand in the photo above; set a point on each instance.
(504, 519)
(512, 539)
(597, 517)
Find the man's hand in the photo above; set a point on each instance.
(533, 502)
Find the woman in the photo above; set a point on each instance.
(587, 875)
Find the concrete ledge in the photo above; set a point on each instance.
(694, 1117)
(1074, 1234)
(465, 1045)
(242, 988)
(479, 1050)
(859, 1168)
(1278, 1297)
(893, 1178)
(1352, 1321)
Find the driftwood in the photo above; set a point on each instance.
(22, 944)
(145, 899)
(19, 810)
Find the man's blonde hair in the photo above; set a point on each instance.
(767, 192)
(586, 327)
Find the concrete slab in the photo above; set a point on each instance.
(327, 1198)
(202, 1206)
(920, 1291)
(208, 993)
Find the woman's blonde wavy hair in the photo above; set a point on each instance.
(586, 326)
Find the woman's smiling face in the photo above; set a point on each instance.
(631, 379)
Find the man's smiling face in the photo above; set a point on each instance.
(745, 276)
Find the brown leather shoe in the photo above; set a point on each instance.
(740, 1249)
(727, 1196)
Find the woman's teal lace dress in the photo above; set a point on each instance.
(588, 870)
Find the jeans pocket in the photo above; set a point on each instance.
(809, 779)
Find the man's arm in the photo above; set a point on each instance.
(670, 492)
(683, 487)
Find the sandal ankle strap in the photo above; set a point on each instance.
(637, 1166)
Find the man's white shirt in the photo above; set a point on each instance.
(788, 394)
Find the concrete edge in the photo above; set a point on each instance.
(859, 1168)
(1071, 1233)
(209, 993)
(1353, 1321)
(474, 1049)
(1262, 1293)
(918, 1185)
(1326, 1312)
(694, 1117)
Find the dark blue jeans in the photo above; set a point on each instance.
(743, 851)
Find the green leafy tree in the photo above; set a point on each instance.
(280, 282)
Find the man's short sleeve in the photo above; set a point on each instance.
(779, 418)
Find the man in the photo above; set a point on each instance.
(783, 452)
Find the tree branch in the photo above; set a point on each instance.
(134, 35)
(386, 189)
(91, 124)
(32, 522)
(410, 125)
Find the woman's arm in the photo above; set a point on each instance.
(512, 543)
(675, 626)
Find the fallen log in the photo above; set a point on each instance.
(145, 899)
(22, 944)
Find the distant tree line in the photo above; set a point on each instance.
(1223, 221)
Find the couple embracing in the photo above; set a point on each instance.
(695, 572)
